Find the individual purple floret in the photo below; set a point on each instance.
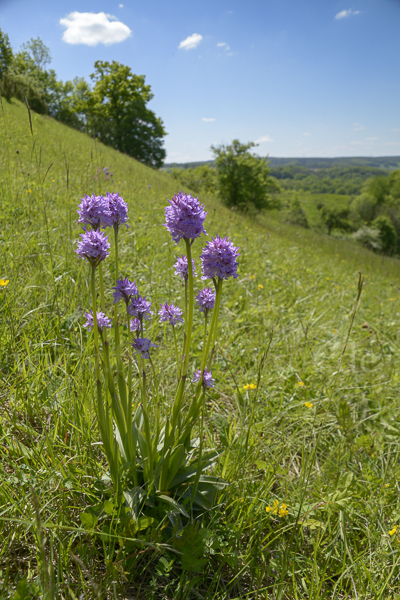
(124, 290)
(142, 346)
(94, 246)
(139, 308)
(94, 211)
(102, 321)
(135, 325)
(181, 267)
(205, 300)
(219, 259)
(208, 381)
(118, 209)
(170, 313)
(185, 217)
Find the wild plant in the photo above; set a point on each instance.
(157, 466)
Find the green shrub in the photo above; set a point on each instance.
(295, 214)
(387, 233)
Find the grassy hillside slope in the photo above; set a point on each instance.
(320, 434)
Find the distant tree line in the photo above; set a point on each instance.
(334, 180)
(112, 108)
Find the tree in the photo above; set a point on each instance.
(6, 53)
(37, 52)
(335, 218)
(118, 115)
(244, 179)
(387, 233)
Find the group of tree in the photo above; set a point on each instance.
(347, 180)
(375, 214)
(112, 108)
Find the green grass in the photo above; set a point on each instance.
(286, 323)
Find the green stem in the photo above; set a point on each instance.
(157, 395)
(212, 335)
(104, 424)
(205, 328)
(129, 415)
(189, 316)
(101, 282)
(178, 362)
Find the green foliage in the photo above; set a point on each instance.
(387, 233)
(37, 53)
(363, 208)
(119, 117)
(295, 214)
(333, 180)
(199, 179)
(369, 237)
(335, 218)
(244, 181)
(6, 53)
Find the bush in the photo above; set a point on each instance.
(363, 209)
(244, 180)
(15, 86)
(368, 237)
(387, 233)
(295, 214)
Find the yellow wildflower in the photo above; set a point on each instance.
(250, 386)
(252, 277)
(29, 191)
(393, 531)
(4, 282)
(308, 404)
(283, 511)
(260, 287)
(301, 383)
(268, 508)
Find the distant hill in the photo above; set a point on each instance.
(380, 162)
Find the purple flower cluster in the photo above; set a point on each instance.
(102, 321)
(94, 211)
(142, 346)
(139, 308)
(124, 290)
(205, 300)
(98, 211)
(208, 381)
(170, 313)
(118, 209)
(94, 246)
(219, 259)
(181, 267)
(185, 217)
(135, 325)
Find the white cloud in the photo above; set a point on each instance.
(207, 120)
(371, 138)
(343, 14)
(395, 129)
(264, 138)
(357, 127)
(121, 5)
(221, 44)
(93, 28)
(192, 41)
(306, 133)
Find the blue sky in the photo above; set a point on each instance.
(301, 77)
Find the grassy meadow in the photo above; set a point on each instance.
(305, 409)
